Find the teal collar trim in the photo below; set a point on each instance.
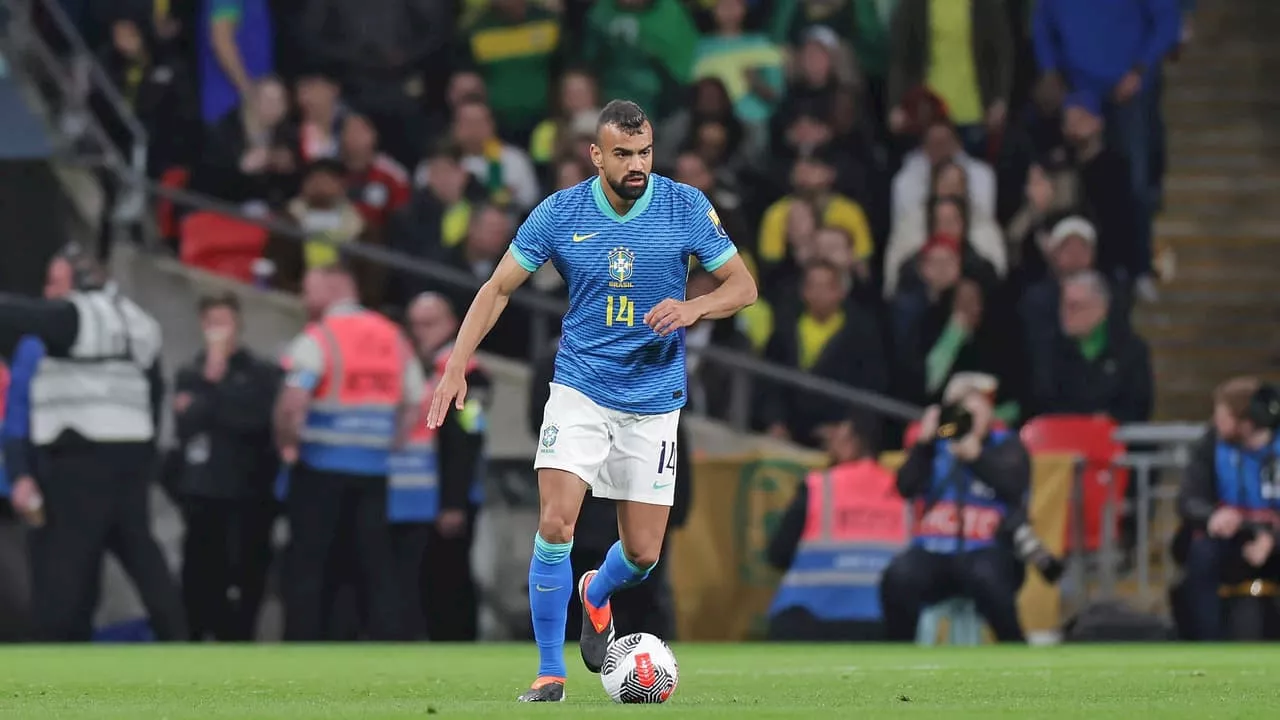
(602, 202)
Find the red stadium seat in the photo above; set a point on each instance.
(1093, 439)
(222, 245)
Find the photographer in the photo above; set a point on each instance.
(1228, 502)
(961, 468)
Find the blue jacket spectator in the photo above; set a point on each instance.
(234, 47)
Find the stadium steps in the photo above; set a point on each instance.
(1218, 234)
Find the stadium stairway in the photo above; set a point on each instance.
(1218, 235)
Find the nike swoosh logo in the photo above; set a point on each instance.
(543, 588)
(580, 238)
(657, 486)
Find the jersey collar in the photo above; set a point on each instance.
(602, 202)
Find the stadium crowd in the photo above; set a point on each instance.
(924, 189)
(911, 195)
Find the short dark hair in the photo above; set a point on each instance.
(445, 149)
(823, 264)
(226, 300)
(624, 115)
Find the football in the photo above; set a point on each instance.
(639, 668)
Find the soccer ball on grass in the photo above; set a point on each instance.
(639, 668)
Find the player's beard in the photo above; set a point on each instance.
(630, 192)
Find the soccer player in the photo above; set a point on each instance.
(622, 241)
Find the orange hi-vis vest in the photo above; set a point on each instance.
(351, 425)
(856, 523)
(414, 482)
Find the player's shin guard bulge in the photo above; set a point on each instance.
(594, 590)
(550, 585)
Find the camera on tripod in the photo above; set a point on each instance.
(1028, 547)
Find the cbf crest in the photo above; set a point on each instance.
(622, 262)
(549, 435)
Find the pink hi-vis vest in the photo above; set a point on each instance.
(351, 425)
(856, 523)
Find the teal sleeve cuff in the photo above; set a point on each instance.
(718, 261)
(525, 262)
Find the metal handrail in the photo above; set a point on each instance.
(744, 366)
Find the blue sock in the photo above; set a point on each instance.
(616, 572)
(550, 586)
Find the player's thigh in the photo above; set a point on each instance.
(572, 448)
(642, 474)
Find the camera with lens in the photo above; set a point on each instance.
(954, 421)
(1029, 549)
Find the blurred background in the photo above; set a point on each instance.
(1068, 196)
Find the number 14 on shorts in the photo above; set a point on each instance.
(667, 457)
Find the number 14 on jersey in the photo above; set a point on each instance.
(619, 310)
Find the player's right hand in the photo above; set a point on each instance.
(452, 389)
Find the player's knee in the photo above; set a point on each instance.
(555, 527)
(642, 557)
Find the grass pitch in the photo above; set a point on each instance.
(273, 682)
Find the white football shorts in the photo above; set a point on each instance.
(620, 455)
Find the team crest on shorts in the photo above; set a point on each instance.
(549, 435)
(622, 263)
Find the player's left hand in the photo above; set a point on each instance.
(670, 315)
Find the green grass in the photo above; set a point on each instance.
(716, 681)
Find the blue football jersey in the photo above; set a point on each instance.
(617, 268)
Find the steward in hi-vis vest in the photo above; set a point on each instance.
(351, 394)
(437, 483)
(964, 478)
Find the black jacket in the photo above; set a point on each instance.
(1198, 491)
(1118, 382)
(461, 448)
(224, 436)
(854, 356)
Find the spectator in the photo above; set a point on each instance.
(504, 170)
(488, 236)
(822, 65)
(376, 183)
(234, 46)
(1052, 188)
(553, 137)
(963, 51)
(225, 465)
(949, 219)
(381, 50)
(1096, 366)
(253, 159)
(710, 385)
(436, 219)
(812, 179)
(792, 18)
(910, 231)
(691, 169)
(1069, 249)
(643, 50)
(514, 45)
(911, 184)
(1108, 56)
(1106, 195)
(571, 170)
(748, 63)
(831, 340)
(710, 128)
(321, 116)
(157, 87)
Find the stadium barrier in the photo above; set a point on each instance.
(723, 584)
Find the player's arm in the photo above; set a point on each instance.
(484, 312)
(737, 290)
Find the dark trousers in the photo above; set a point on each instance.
(329, 512)
(648, 607)
(15, 585)
(1212, 562)
(409, 543)
(918, 578)
(450, 601)
(226, 552)
(97, 499)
